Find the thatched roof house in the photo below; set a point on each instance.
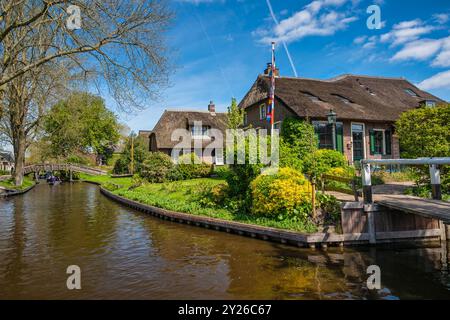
(366, 109)
(6, 161)
(196, 123)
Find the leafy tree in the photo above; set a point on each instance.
(81, 123)
(300, 136)
(140, 154)
(235, 115)
(425, 132)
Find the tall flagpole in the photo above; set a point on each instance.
(272, 90)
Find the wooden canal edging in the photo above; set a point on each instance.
(10, 193)
(239, 228)
(355, 225)
(380, 224)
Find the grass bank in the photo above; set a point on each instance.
(9, 184)
(186, 196)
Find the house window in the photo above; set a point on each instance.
(262, 112)
(245, 118)
(380, 142)
(324, 134)
(411, 93)
(197, 131)
(430, 103)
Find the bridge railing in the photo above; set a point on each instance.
(65, 166)
(433, 164)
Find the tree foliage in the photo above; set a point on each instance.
(300, 136)
(140, 154)
(81, 123)
(424, 132)
(235, 115)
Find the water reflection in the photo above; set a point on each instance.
(125, 254)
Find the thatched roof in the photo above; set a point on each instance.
(6, 156)
(352, 97)
(182, 119)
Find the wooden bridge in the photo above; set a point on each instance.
(46, 167)
(387, 216)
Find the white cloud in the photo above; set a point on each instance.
(443, 58)
(418, 50)
(318, 18)
(424, 49)
(441, 18)
(360, 40)
(440, 80)
(406, 31)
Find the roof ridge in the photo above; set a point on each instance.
(191, 110)
(346, 75)
(342, 76)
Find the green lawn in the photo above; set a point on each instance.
(9, 184)
(185, 196)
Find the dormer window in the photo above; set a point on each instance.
(411, 93)
(343, 99)
(311, 97)
(429, 103)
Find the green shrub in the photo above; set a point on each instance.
(221, 172)
(76, 159)
(190, 166)
(322, 162)
(330, 207)
(286, 194)
(290, 156)
(121, 166)
(157, 167)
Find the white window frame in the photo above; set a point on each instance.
(262, 111)
(364, 138)
(383, 153)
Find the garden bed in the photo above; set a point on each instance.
(186, 197)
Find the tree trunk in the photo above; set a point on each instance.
(19, 154)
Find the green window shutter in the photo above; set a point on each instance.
(340, 138)
(372, 142)
(388, 138)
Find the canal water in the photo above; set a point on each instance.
(126, 254)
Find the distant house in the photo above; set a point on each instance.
(145, 134)
(6, 161)
(198, 125)
(366, 109)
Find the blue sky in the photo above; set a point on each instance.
(220, 46)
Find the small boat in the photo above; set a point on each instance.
(53, 180)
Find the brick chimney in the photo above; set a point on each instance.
(211, 107)
(267, 70)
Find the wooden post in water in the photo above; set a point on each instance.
(435, 182)
(367, 183)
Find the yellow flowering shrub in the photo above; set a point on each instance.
(286, 194)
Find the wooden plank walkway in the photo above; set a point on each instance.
(435, 209)
(391, 196)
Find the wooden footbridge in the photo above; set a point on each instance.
(46, 167)
(391, 217)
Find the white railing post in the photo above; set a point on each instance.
(435, 175)
(367, 183)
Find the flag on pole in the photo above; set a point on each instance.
(271, 104)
